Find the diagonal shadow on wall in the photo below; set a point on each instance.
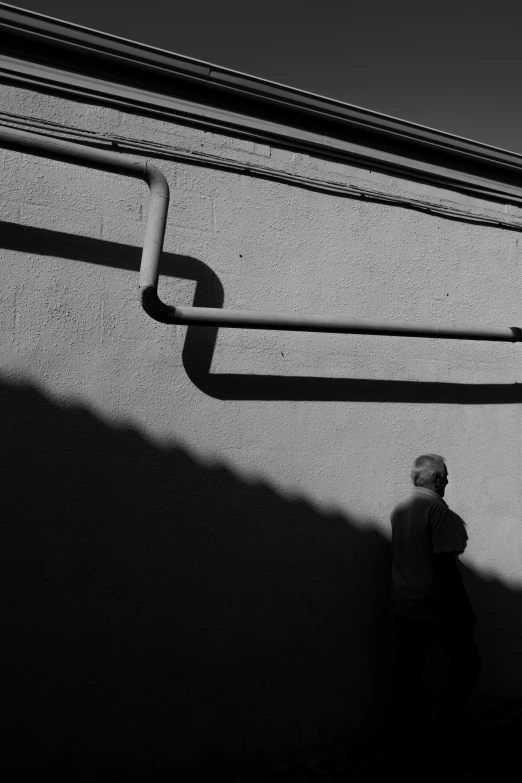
(160, 612)
(200, 342)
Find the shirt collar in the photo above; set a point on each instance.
(430, 493)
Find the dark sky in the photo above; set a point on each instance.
(455, 66)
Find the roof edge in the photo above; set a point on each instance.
(81, 50)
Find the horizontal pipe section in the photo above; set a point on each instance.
(207, 316)
(57, 149)
(321, 323)
(246, 319)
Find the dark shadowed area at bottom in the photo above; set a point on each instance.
(159, 613)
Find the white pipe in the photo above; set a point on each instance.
(198, 316)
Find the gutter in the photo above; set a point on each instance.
(73, 60)
(33, 144)
(69, 37)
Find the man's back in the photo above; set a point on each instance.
(422, 527)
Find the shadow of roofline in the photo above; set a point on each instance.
(158, 610)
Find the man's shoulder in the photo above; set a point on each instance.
(414, 500)
(402, 505)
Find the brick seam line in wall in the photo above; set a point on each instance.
(126, 144)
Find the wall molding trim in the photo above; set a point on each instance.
(66, 59)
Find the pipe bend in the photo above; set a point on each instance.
(156, 181)
(153, 306)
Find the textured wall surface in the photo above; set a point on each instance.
(194, 553)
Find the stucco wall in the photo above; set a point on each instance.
(194, 554)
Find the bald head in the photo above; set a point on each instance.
(429, 471)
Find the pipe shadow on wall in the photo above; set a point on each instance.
(162, 612)
(200, 342)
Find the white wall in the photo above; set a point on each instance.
(243, 551)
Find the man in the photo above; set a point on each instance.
(428, 597)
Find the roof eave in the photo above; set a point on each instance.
(41, 40)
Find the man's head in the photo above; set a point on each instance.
(430, 471)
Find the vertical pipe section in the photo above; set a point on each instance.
(153, 246)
